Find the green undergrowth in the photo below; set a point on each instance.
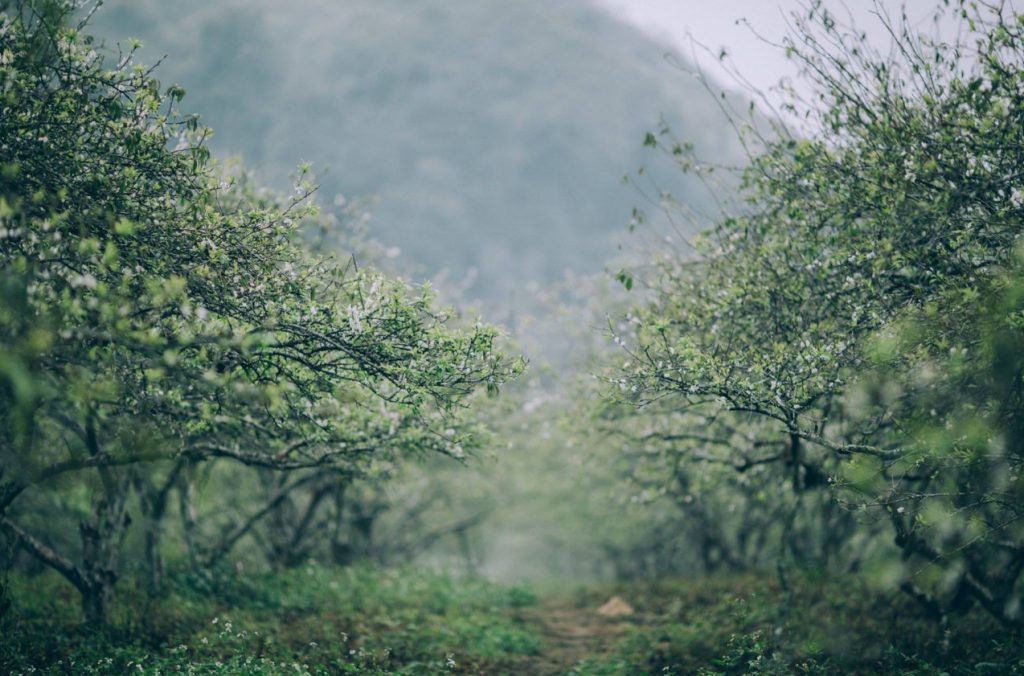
(729, 625)
(324, 620)
(313, 619)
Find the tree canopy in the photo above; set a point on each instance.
(858, 303)
(157, 306)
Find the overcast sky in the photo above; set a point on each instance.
(714, 23)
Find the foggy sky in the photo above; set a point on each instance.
(720, 23)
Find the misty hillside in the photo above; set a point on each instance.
(494, 134)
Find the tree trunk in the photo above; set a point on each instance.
(101, 536)
(298, 548)
(187, 512)
(153, 500)
(96, 602)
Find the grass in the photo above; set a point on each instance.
(310, 620)
(727, 624)
(319, 620)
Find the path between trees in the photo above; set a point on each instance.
(570, 634)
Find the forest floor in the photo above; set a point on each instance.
(319, 620)
(570, 635)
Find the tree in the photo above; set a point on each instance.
(156, 309)
(902, 208)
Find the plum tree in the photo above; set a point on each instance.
(158, 313)
(861, 295)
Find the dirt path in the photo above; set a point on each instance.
(570, 634)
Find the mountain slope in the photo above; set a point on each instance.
(495, 134)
